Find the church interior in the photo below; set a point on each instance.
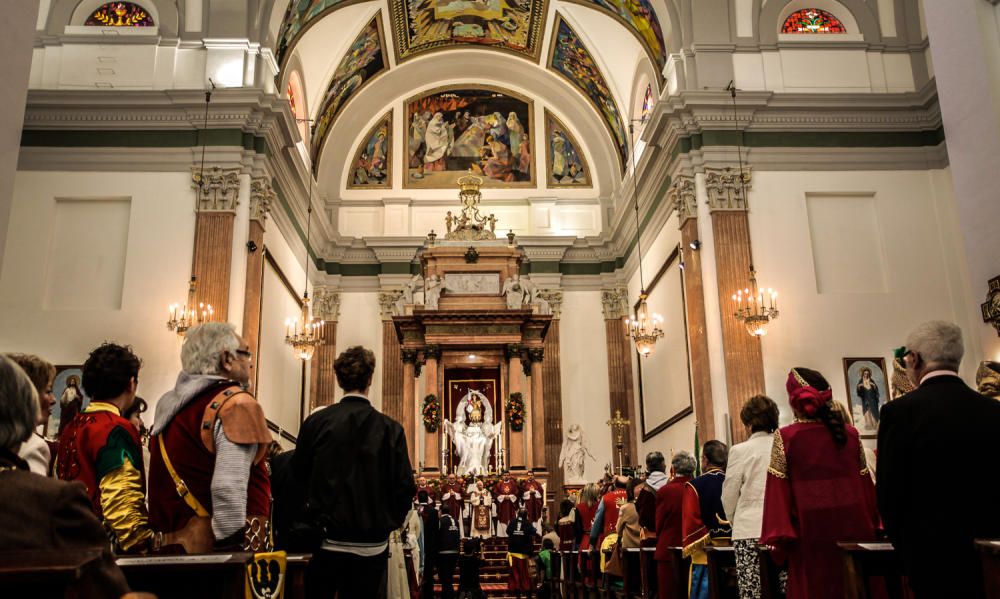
(572, 232)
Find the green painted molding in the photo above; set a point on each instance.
(143, 139)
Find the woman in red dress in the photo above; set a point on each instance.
(586, 509)
(818, 491)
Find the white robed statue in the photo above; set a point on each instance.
(473, 433)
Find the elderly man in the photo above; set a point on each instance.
(645, 495)
(702, 520)
(669, 511)
(209, 438)
(919, 433)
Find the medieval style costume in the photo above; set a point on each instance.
(606, 518)
(818, 493)
(210, 439)
(533, 495)
(102, 450)
(505, 495)
(703, 524)
(669, 510)
(519, 550)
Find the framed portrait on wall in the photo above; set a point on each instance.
(867, 392)
(67, 388)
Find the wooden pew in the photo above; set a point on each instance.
(208, 576)
(640, 578)
(865, 561)
(722, 580)
(44, 573)
(770, 587)
(679, 572)
(989, 554)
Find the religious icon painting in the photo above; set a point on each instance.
(640, 19)
(67, 388)
(867, 392)
(454, 131)
(570, 58)
(364, 60)
(564, 160)
(372, 164)
(421, 26)
(299, 17)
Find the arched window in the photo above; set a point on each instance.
(120, 14)
(291, 100)
(647, 103)
(812, 20)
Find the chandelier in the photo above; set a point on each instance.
(756, 306)
(304, 333)
(643, 327)
(191, 313)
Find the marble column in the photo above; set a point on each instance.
(744, 362)
(262, 197)
(682, 195)
(217, 198)
(515, 439)
(536, 414)
(615, 305)
(322, 378)
(392, 362)
(410, 372)
(552, 379)
(432, 441)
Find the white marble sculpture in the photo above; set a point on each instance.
(409, 294)
(573, 455)
(432, 293)
(473, 433)
(514, 292)
(533, 297)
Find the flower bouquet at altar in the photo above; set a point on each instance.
(515, 412)
(431, 413)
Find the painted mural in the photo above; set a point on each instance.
(564, 161)
(301, 14)
(640, 18)
(456, 131)
(372, 164)
(425, 25)
(364, 60)
(571, 59)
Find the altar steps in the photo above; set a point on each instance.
(493, 576)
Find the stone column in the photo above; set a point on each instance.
(682, 196)
(515, 440)
(322, 378)
(261, 199)
(552, 382)
(615, 304)
(410, 371)
(536, 414)
(741, 351)
(392, 362)
(432, 441)
(217, 198)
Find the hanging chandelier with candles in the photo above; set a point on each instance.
(644, 328)
(756, 306)
(304, 334)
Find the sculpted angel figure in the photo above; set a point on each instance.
(473, 432)
(574, 453)
(514, 292)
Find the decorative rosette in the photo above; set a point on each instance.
(432, 413)
(515, 412)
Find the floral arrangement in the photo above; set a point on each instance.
(432, 413)
(515, 412)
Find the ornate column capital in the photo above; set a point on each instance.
(511, 351)
(409, 355)
(387, 303)
(217, 190)
(614, 303)
(432, 352)
(326, 303)
(536, 354)
(682, 196)
(262, 197)
(724, 189)
(554, 297)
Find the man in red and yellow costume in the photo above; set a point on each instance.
(505, 495)
(533, 495)
(606, 518)
(102, 450)
(208, 483)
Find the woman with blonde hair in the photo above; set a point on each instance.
(586, 509)
(42, 373)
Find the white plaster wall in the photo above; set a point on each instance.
(584, 363)
(360, 323)
(843, 70)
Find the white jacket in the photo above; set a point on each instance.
(743, 490)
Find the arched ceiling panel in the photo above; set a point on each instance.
(639, 17)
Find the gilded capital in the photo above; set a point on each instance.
(218, 190)
(725, 190)
(262, 197)
(326, 303)
(614, 303)
(682, 196)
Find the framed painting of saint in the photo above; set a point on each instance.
(67, 388)
(867, 392)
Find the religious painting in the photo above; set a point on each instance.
(867, 392)
(639, 18)
(364, 60)
(455, 131)
(571, 59)
(372, 164)
(67, 388)
(514, 26)
(564, 161)
(299, 17)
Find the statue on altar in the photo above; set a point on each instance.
(473, 432)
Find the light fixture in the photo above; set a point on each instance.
(191, 313)
(695, 245)
(643, 327)
(304, 333)
(756, 306)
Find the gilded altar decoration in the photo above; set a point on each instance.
(432, 413)
(468, 224)
(991, 309)
(119, 14)
(514, 406)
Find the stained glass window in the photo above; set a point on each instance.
(120, 14)
(647, 103)
(291, 100)
(812, 20)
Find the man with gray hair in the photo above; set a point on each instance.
(669, 509)
(645, 496)
(208, 483)
(941, 426)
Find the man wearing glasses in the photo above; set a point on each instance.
(208, 484)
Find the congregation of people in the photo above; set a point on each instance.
(206, 476)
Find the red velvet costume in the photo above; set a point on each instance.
(534, 498)
(586, 514)
(669, 511)
(195, 464)
(613, 500)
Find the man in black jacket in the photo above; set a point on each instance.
(449, 541)
(353, 468)
(942, 428)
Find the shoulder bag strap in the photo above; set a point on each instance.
(179, 484)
